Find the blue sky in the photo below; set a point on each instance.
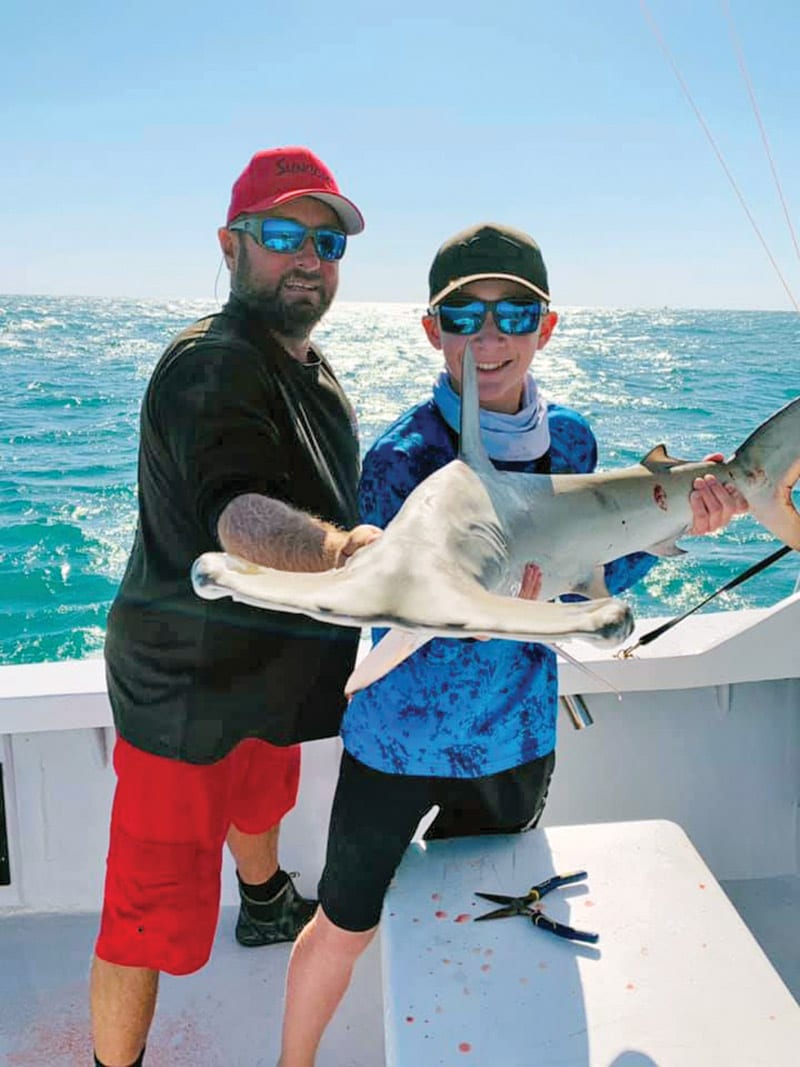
(123, 128)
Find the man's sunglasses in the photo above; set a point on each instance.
(466, 317)
(287, 236)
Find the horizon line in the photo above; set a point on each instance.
(394, 303)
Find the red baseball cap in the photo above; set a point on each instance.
(278, 175)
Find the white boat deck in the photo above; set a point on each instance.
(708, 736)
(228, 1014)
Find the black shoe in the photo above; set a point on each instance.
(292, 912)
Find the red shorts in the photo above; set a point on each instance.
(168, 825)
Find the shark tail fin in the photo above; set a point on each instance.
(770, 463)
(775, 510)
(471, 448)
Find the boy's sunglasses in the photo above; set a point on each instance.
(514, 317)
(287, 236)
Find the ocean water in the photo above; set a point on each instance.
(73, 371)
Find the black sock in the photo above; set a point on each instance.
(261, 901)
(136, 1063)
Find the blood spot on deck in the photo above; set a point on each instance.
(465, 1047)
(46, 1042)
(486, 966)
(436, 896)
(440, 914)
(409, 1018)
(463, 918)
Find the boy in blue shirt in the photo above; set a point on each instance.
(467, 725)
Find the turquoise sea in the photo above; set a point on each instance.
(73, 371)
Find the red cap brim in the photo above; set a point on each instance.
(351, 218)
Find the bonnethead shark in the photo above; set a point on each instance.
(448, 563)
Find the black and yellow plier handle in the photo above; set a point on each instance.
(523, 906)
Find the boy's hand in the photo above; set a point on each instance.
(714, 504)
(529, 589)
(531, 582)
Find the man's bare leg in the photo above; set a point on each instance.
(256, 855)
(272, 911)
(320, 969)
(123, 1000)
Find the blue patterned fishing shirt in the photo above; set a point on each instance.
(462, 708)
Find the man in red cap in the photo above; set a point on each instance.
(249, 445)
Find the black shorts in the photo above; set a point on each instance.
(375, 815)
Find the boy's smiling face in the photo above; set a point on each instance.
(502, 359)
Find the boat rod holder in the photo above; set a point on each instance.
(579, 714)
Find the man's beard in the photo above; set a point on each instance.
(295, 318)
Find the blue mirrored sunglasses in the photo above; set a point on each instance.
(287, 236)
(466, 317)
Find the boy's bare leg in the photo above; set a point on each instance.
(123, 1000)
(319, 973)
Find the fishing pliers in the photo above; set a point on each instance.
(523, 906)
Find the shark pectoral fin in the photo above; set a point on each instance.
(666, 548)
(391, 650)
(593, 585)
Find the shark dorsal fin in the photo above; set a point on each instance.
(657, 459)
(470, 446)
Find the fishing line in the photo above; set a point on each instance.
(663, 44)
(581, 666)
(757, 113)
(651, 635)
(216, 280)
(756, 567)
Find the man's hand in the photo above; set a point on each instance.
(713, 504)
(355, 539)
